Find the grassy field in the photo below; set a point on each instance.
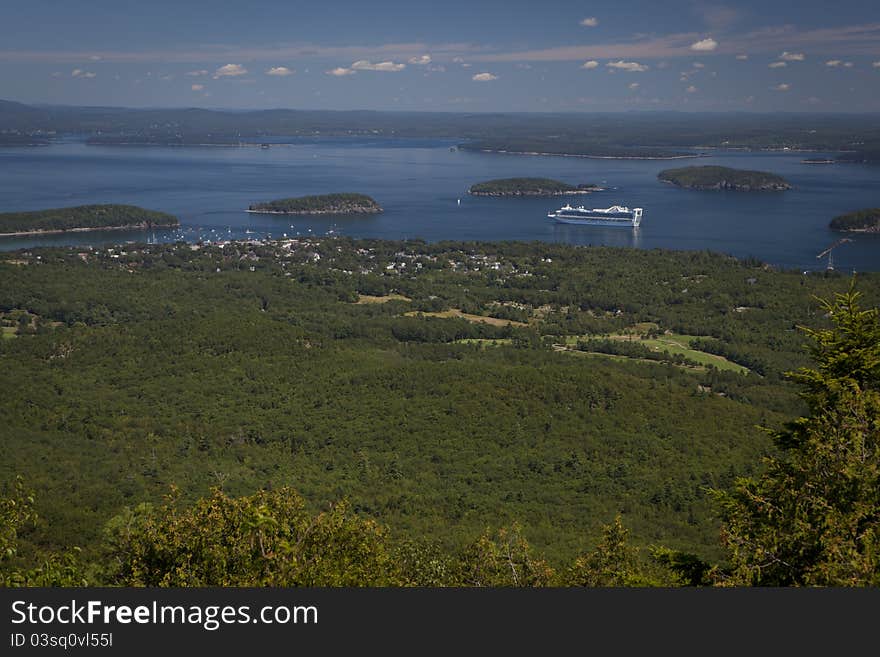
(368, 298)
(455, 312)
(674, 343)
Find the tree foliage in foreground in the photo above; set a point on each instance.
(813, 517)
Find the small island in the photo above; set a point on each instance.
(84, 218)
(319, 204)
(714, 177)
(529, 187)
(818, 160)
(860, 221)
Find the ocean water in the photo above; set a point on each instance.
(422, 185)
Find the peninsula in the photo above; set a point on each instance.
(714, 177)
(84, 218)
(860, 221)
(529, 187)
(319, 204)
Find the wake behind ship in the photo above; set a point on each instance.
(616, 215)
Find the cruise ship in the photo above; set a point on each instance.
(616, 215)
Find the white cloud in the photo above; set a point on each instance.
(484, 77)
(792, 56)
(833, 63)
(366, 65)
(230, 71)
(634, 85)
(630, 67)
(590, 65)
(777, 65)
(280, 71)
(691, 89)
(742, 57)
(196, 74)
(340, 71)
(421, 60)
(79, 73)
(782, 87)
(592, 21)
(197, 87)
(705, 45)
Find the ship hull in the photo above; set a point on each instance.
(577, 221)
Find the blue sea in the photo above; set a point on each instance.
(422, 185)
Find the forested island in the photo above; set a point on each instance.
(572, 146)
(860, 221)
(529, 187)
(83, 218)
(319, 204)
(328, 411)
(723, 178)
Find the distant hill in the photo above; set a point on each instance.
(84, 217)
(319, 204)
(528, 187)
(714, 177)
(860, 221)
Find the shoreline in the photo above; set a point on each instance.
(573, 192)
(591, 157)
(301, 212)
(57, 231)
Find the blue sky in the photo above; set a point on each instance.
(448, 56)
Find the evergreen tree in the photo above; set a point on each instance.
(813, 517)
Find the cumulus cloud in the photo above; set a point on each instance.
(484, 77)
(79, 73)
(421, 60)
(630, 67)
(691, 89)
(366, 65)
(742, 57)
(792, 56)
(634, 85)
(339, 71)
(196, 74)
(590, 65)
(782, 87)
(777, 65)
(197, 87)
(230, 71)
(591, 21)
(705, 45)
(280, 71)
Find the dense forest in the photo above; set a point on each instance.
(450, 402)
(867, 220)
(85, 217)
(320, 204)
(715, 177)
(528, 187)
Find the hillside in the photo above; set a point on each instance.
(860, 221)
(723, 178)
(84, 217)
(127, 372)
(319, 204)
(528, 187)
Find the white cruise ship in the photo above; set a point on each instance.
(616, 215)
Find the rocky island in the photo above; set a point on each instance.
(319, 204)
(84, 218)
(860, 221)
(714, 177)
(529, 187)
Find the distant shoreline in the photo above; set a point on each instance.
(306, 212)
(592, 157)
(56, 231)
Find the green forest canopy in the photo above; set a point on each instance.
(85, 216)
